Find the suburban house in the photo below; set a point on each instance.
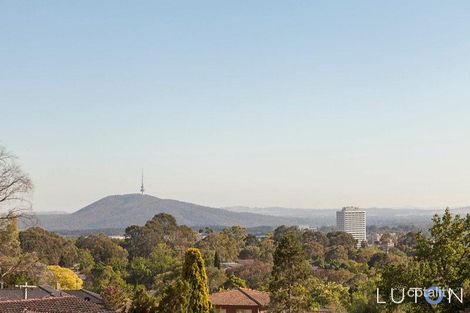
(44, 299)
(240, 300)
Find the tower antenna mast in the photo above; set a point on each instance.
(142, 189)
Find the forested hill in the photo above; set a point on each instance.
(120, 211)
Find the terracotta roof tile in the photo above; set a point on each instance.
(240, 296)
(67, 304)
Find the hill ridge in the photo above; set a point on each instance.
(120, 211)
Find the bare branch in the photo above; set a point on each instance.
(15, 185)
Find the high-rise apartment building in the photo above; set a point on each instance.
(352, 220)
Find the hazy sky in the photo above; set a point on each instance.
(311, 104)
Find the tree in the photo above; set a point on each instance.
(442, 259)
(226, 246)
(256, 274)
(51, 248)
(408, 242)
(315, 251)
(14, 184)
(283, 230)
(289, 286)
(143, 302)
(103, 249)
(339, 238)
(158, 269)
(66, 278)
(85, 261)
(336, 255)
(329, 294)
(314, 236)
(116, 299)
(251, 240)
(9, 238)
(194, 274)
(190, 294)
(234, 281)
(16, 266)
(216, 260)
(267, 247)
(165, 266)
(162, 228)
(250, 252)
(236, 236)
(215, 278)
(175, 299)
(103, 276)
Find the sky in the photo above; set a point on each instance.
(306, 104)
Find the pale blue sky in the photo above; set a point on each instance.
(312, 104)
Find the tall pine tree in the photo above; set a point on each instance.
(190, 294)
(289, 285)
(217, 260)
(194, 273)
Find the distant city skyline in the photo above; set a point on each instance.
(292, 104)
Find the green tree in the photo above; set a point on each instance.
(50, 247)
(15, 185)
(442, 259)
(190, 294)
(339, 238)
(162, 228)
(85, 261)
(16, 266)
(9, 237)
(226, 246)
(267, 247)
(155, 271)
(215, 278)
(104, 249)
(234, 281)
(175, 298)
(329, 294)
(314, 236)
(257, 274)
(143, 302)
(216, 260)
(116, 298)
(283, 230)
(194, 273)
(104, 275)
(289, 285)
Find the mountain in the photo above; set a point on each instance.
(375, 216)
(120, 211)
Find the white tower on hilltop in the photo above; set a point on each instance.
(352, 220)
(142, 189)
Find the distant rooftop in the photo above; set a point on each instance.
(351, 208)
(240, 297)
(45, 299)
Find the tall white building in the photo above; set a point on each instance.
(352, 220)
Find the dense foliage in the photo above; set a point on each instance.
(156, 270)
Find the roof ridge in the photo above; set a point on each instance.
(250, 297)
(88, 292)
(30, 299)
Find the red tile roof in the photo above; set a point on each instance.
(64, 304)
(240, 296)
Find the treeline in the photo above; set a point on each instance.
(302, 269)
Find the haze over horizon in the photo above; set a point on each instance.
(298, 104)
